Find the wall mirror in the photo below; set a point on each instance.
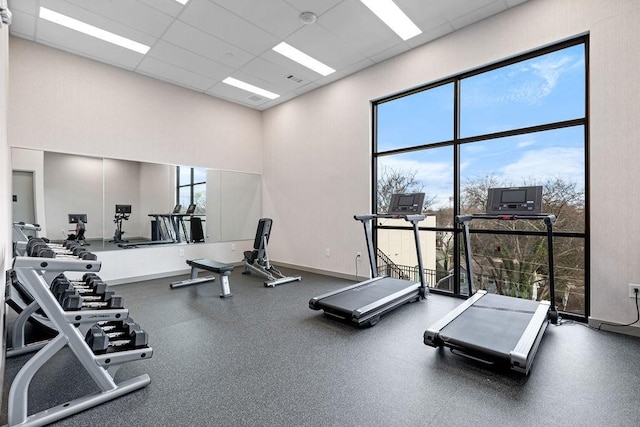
(50, 186)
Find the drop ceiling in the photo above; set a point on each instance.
(199, 44)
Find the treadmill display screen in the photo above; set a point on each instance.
(404, 204)
(515, 200)
(514, 196)
(123, 209)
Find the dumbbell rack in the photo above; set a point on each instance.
(37, 275)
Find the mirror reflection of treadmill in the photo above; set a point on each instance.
(499, 329)
(364, 302)
(164, 229)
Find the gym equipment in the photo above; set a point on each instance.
(79, 220)
(364, 302)
(116, 336)
(34, 274)
(257, 261)
(123, 212)
(164, 230)
(74, 301)
(20, 228)
(223, 270)
(38, 247)
(498, 329)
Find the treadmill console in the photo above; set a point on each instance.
(406, 204)
(515, 201)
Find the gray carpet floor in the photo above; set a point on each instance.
(263, 358)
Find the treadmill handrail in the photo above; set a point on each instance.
(414, 219)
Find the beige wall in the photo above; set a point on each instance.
(62, 102)
(317, 167)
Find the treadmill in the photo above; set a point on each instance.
(499, 329)
(364, 302)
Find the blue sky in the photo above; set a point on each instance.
(545, 89)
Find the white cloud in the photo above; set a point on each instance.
(435, 177)
(557, 162)
(524, 144)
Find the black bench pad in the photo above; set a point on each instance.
(210, 265)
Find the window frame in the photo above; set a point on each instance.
(458, 141)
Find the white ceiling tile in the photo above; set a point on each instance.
(277, 17)
(25, 6)
(130, 13)
(319, 43)
(290, 66)
(220, 23)
(23, 24)
(198, 44)
(423, 14)
(170, 7)
(353, 23)
(81, 44)
(174, 74)
(429, 35)
(259, 82)
(188, 60)
(479, 14)
(453, 9)
(103, 22)
(233, 94)
(512, 3)
(194, 40)
(316, 6)
(273, 74)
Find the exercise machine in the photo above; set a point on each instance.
(79, 220)
(364, 302)
(123, 212)
(498, 329)
(257, 260)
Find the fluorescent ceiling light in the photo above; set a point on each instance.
(395, 18)
(92, 31)
(182, 1)
(250, 88)
(304, 59)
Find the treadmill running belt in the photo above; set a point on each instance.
(369, 293)
(493, 325)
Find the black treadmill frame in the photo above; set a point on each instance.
(370, 313)
(521, 357)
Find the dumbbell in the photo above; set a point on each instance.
(126, 336)
(75, 301)
(90, 284)
(44, 251)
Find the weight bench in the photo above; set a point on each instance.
(223, 270)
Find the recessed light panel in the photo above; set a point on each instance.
(303, 59)
(90, 30)
(182, 1)
(395, 18)
(250, 88)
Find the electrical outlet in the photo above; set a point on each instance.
(233, 246)
(632, 290)
(327, 252)
(358, 256)
(181, 251)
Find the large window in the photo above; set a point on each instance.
(518, 122)
(191, 188)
